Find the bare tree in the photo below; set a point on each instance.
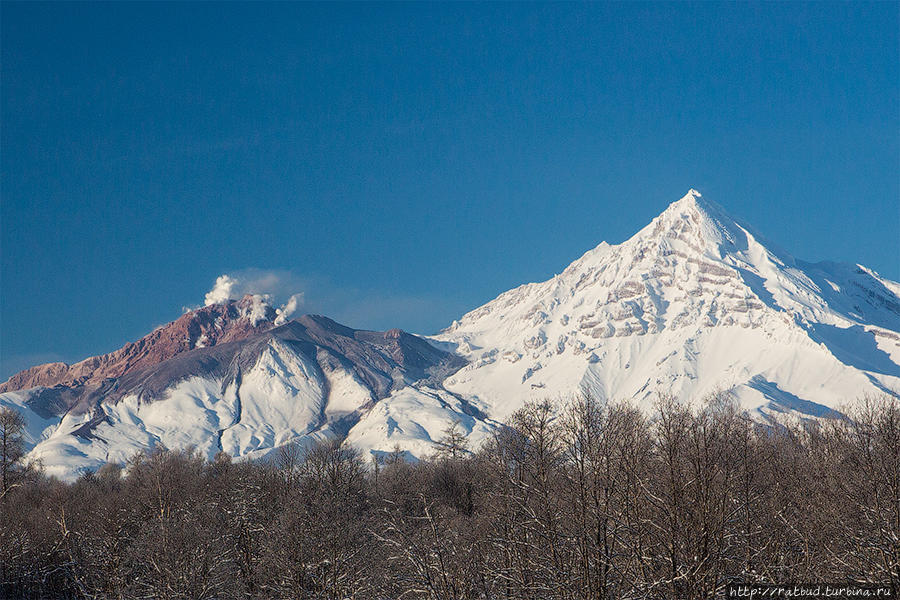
(12, 448)
(453, 443)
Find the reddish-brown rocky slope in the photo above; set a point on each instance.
(207, 326)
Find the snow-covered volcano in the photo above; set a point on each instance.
(693, 303)
(252, 388)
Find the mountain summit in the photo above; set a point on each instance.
(691, 304)
(223, 322)
(694, 302)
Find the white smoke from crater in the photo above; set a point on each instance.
(289, 308)
(225, 289)
(262, 287)
(259, 307)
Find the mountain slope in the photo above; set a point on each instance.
(693, 303)
(308, 379)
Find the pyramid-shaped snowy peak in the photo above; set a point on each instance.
(691, 304)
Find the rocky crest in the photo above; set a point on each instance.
(203, 327)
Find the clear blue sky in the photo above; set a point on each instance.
(404, 163)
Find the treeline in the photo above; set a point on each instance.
(589, 501)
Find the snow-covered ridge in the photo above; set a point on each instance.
(694, 302)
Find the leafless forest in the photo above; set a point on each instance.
(590, 501)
